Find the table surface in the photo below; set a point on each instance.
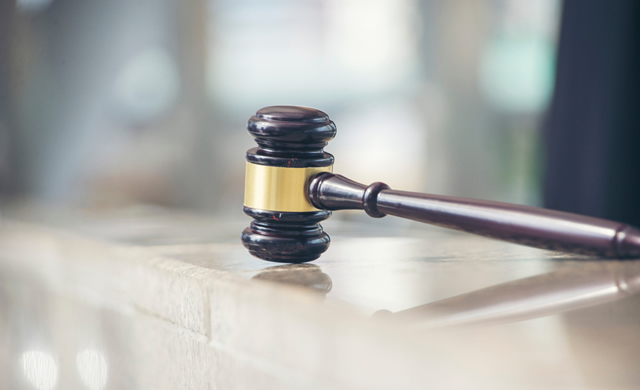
(554, 320)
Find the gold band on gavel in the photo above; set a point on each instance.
(279, 188)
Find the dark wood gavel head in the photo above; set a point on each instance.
(286, 226)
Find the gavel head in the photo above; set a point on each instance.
(286, 226)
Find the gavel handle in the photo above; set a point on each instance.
(532, 226)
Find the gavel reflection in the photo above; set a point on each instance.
(528, 298)
(556, 292)
(308, 276)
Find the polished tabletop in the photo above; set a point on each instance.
(567, 321)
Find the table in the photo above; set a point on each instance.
(152, 298)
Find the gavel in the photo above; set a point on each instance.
(290, 188)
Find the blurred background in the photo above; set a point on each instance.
(138, 108)
(114, 103)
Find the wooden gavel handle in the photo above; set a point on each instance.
(532, 226)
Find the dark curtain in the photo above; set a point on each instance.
(592, 136)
